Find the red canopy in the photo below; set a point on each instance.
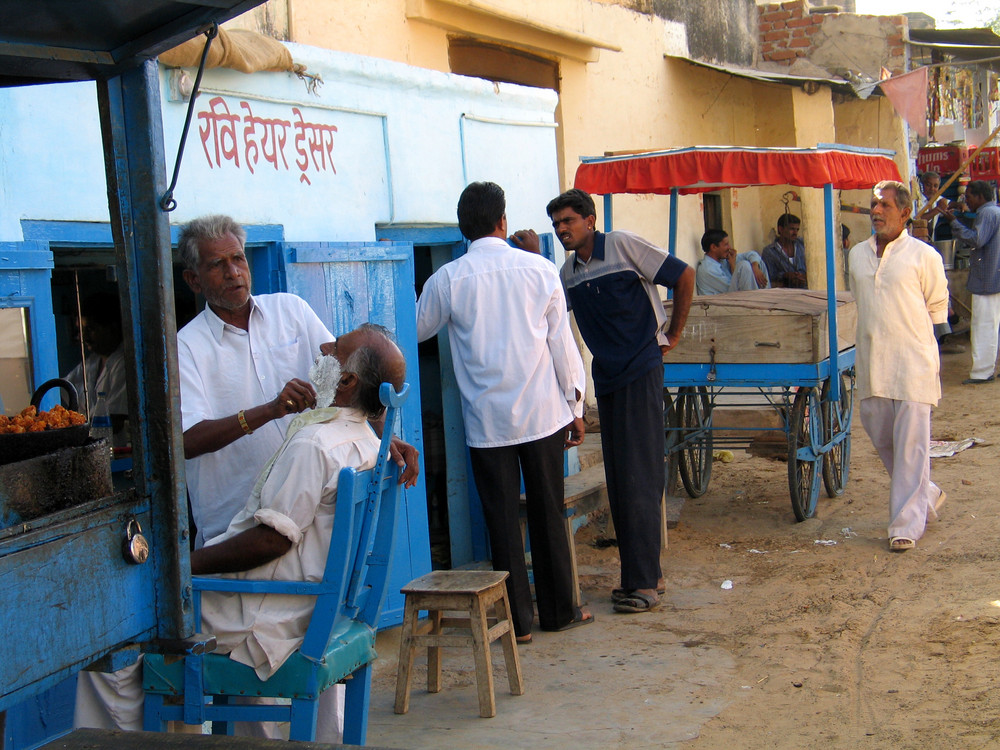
(704, 168)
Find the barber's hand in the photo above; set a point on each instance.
(296, 396)
(526, 239)
(406, 457)
(574, 432)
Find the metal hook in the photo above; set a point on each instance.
(167, 202)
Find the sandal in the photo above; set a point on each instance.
(618, 594)
(581, 618)
(637, 602)
(901, 544)
(522, 640)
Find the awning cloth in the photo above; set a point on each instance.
(704, 168)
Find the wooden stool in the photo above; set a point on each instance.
(470, 591)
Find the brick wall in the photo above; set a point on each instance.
(789, 31)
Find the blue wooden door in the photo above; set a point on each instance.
(352, 283)
(26, 293)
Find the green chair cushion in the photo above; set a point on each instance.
(298, 677)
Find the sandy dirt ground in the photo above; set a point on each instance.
(845, 644)
(849, 643)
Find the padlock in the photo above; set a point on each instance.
(135, 548)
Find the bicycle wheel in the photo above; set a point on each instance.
(837, 420)
(804, 469)
(694, 409)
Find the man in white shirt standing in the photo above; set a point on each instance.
(522, 380)
(244, 363)
(901, 292)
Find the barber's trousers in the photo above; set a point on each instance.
(983, 334)
(901, 433)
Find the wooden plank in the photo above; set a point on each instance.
(767, 326)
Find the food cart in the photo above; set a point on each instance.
(75, 586)
(812, 394)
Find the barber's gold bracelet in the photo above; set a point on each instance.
(243, 422)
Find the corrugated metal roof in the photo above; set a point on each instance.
(44, 41)
(767, 76)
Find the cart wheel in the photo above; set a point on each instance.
(804, 429)
(694, 409)
(671, 439)
(837, 420)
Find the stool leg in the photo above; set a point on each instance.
(406, 648)
(510, 655)
(481, 652)
(434, 654)
(574, 570)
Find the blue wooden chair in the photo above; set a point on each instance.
(339, 642)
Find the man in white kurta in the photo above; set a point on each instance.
(283, 533)
(901, 292)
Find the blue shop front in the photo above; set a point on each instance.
(347, 192)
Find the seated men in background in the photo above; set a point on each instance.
(724, 270)
(283, 533)
(786, 256)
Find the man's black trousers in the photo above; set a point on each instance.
(632, 442)
(497, 473)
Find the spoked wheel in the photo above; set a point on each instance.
(804, 431)
(671, 438)
(837, 421)
(694, 410)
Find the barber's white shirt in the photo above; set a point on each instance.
(224, 369)
(899, 299)
(517, 365)
(298, 500)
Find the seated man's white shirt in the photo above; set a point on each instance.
(297, 500)
(224, 369)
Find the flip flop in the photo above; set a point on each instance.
(582, 618)
(636, 602)
(618, 594)
(522, 640)
(901, 544)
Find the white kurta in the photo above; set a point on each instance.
(899, 297)
(224, 369)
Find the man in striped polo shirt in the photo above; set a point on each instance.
(611, 286)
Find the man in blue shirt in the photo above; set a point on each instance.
(984, 275)
(786, 256)
(611, 286)
(724, 270)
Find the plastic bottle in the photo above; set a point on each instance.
(100, 422)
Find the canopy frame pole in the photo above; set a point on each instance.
(831, 293)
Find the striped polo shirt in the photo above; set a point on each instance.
(617, 305)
